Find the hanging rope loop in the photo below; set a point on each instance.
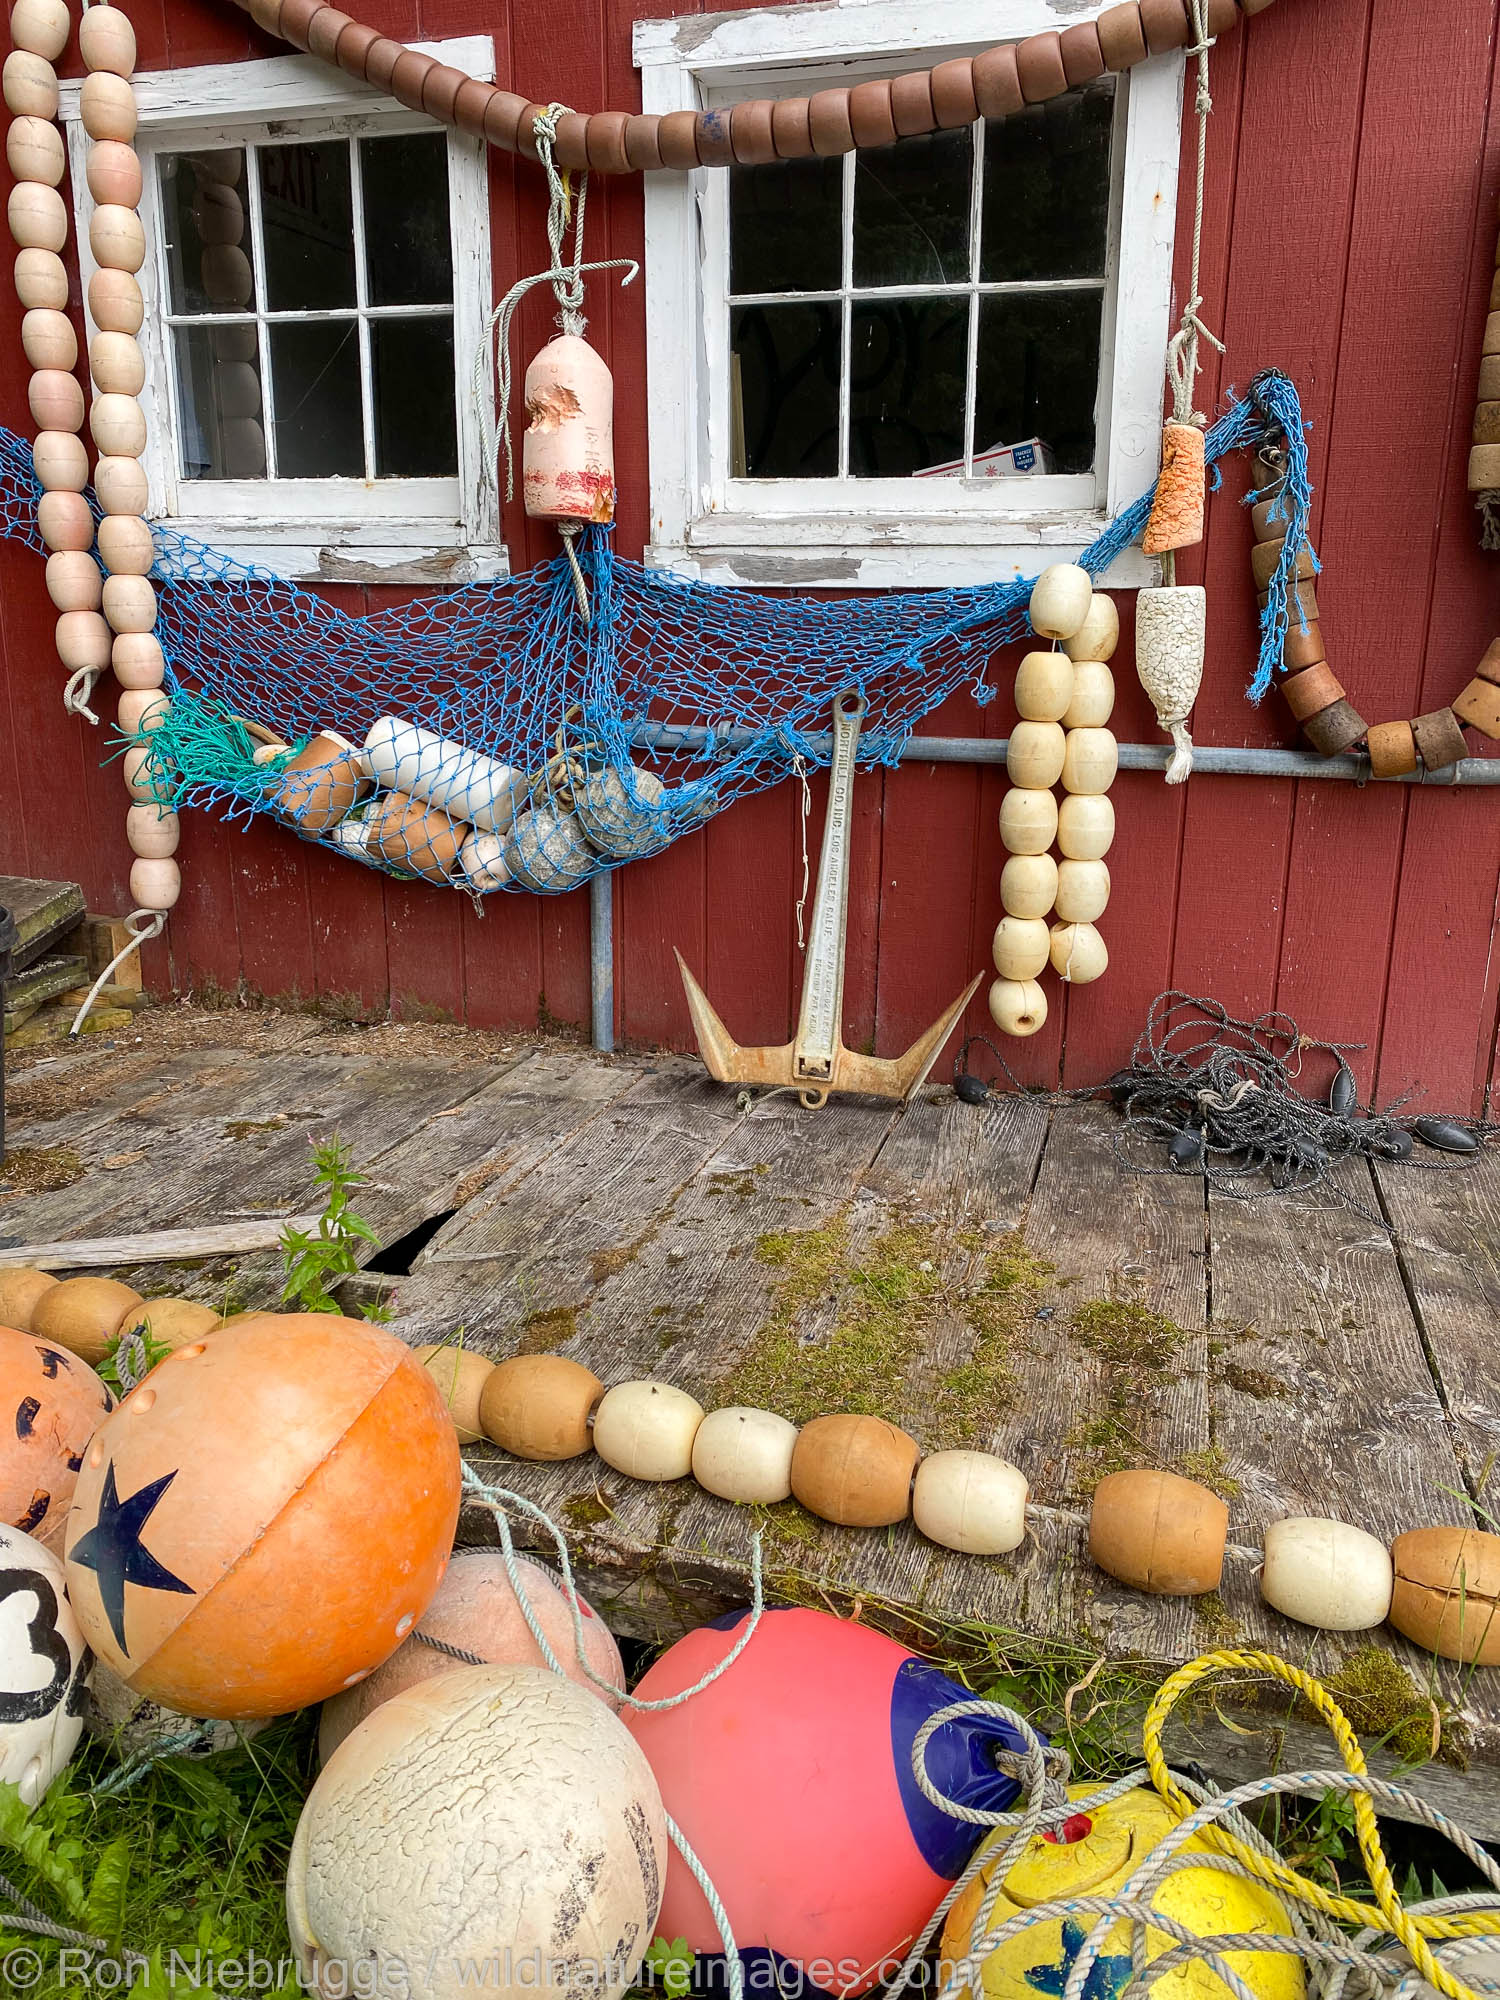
(1182, 348)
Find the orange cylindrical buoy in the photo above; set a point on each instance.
(568, 452)
(1176, 518)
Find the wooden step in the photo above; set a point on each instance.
(43, 912)
(26, 990)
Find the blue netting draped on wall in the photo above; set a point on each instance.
(489, 737)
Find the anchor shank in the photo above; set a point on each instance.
(819, 1024)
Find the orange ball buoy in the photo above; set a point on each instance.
(266, 1517)
(1159, 1532)
(855, 1471)
(19, 1293)
(537, 1406)
(51, 1403)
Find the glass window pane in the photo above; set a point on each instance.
(1046, 187)
(218, 386)
(785, 227)
(911, 211)
(1038, 374)
(307, 217)
(414, 422)
(784, 391)
(315, 378)
(907, 363)
(408, 253)
(205, 220)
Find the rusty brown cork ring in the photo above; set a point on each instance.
(996, 84)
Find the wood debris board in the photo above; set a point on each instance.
(988, 1276)
(42, 912)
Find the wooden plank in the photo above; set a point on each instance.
(962, 1162)
(153, 1246)
(42, 980)
(41, 912)
(1448, 1249)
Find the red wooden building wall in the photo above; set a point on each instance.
(1351, 225)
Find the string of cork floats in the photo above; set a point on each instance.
(1151, 1530)
(1064, 700)
(995, 84)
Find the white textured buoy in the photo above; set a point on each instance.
(1078, 954)
(1327, 1574)
(1028, 820)
(1017, 1007)
(1085, 826)
(43, 1666)
(1099, 634)
(1028, 885)
(745, 1455)
(1082, 891)
(1060, 600)
(1170, 629)
(1020, 947)
(491, 1816)
(971, 1501)
(646, 1429)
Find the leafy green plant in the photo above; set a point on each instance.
(109, 1368)
(311, 1258)
(673, 1961)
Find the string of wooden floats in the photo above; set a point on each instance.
(995, 84)
(1154, 1531)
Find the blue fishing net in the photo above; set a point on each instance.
(493, 738)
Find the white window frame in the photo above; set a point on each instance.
(400, 531)
(883, 532)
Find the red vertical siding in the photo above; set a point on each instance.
(1348, 238)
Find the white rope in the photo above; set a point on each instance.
(78, 692)
(1182, 348)
(143, 925)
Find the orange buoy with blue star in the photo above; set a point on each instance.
(264, 1519)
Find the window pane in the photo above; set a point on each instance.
(911, 211)
(786, 384)
(907, 363)
(408, 253)
(414, 422)
(315, 378)
(218, 385)
(1046, 187)
(1039, 373)
(785, 227)
(206, 223)
(307, 217)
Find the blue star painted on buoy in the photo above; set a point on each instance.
(1108, 1977)
(112, 1550)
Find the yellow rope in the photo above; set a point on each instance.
(1387, 1913)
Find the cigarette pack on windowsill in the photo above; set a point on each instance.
(1001, 461)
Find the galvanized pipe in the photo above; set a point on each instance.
(1209, 760)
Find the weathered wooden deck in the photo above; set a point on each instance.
(943, 1264)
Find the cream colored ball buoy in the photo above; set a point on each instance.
(1093, 700)
(120, 482)
(117, 364)
(140, 769)
(34, 151)
(461, 1375)
(476, 1609)
(1020, 947)
(115, 302)
(118, 426)
(117, 238)
(83, 1315)
(38, 216)
(1159, 1532)
(745, 1455)
(854, 1471)
(138, 659)
(169, 1322)
(1028, 885)
(1034, 755)
(1018, 1007)
(1060, 600)
(1327, 1574)
(106, 103)
(106, 40)
(1099, 634)
(125, 545)
(971, 1501)
(129, 603)
(82, 640)
(1079, 955)
(646, 1430)
(19, 1293)
(537, 1406)
(63, 519)
(142, 709)
(61, 460)
(44, 1664)
(113, 173)
(1082, 891)
(1085, 826)
(40, 26)
(56, 400)
(1044, 687)
(155, 883)
(73, 581)
(49, 341)
(1028, 820)
(1090, 760)
(30, 85)
(488, 1816)
(41, 279)
(151, 832)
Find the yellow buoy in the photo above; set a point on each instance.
(1108, 1848)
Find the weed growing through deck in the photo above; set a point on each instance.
(311, 1258)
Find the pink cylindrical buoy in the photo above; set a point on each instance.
(568, 452)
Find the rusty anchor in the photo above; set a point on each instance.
(816, 1062)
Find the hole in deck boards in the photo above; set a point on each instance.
(395, 1260)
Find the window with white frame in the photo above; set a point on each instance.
(935, 362)
(317, 281)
